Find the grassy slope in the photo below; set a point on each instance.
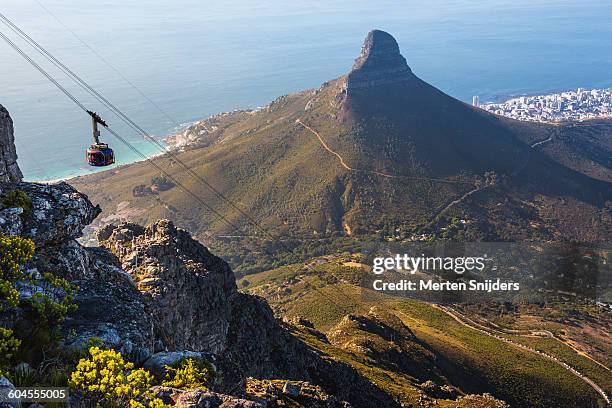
(519, 377)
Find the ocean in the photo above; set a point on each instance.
(196, 58)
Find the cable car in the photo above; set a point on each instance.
(99, 154)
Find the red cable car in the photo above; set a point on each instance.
(99, 154)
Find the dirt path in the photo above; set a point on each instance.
(344, 164)
(467, 322)
(542, 142)
(326, 146)
(457, 201)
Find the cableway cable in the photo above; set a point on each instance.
(115, 134)
(110, 65)
(143, 156)
(83, 84)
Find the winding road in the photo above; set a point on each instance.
(547, 333)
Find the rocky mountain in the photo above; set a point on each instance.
(377, 153)
(380, 63)
(157, 295)
(9, 170)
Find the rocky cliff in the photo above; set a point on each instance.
(379, 63)
(157, 296)
(9, 170)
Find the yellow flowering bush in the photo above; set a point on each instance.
(188, 373)
(107, 380)
(14, 252)
(47, 306)
(8, 347)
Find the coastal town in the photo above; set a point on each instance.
(576, 105)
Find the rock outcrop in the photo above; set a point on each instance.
(202, 399)
(386, 341)
(380, 63)
(187, 289)
(9, 170)
(110, 307)
(192, 296)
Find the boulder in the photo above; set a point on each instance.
(5, 387)
(59, 213)
(201, 398)
(293, 390)
(110, 309)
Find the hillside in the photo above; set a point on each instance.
(376, 153)
(401, 343)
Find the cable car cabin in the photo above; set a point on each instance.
(100, 155)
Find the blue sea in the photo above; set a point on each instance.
(195, 58)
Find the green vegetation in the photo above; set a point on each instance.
(276, 172)
(107, 380)
(14, 252)
(161, 182)
(9, 345)
(189, 373)
(18, 199)
(47, 306)
(325, 289)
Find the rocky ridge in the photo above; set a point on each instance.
(110, 306)
(156, 295)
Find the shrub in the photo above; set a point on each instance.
(162, 183)
(50, 310)
(8, 347)
(14, 252)
(105, 379)
(18, 199)
(49, 304)
(189, 373)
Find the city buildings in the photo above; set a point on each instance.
(578, 105)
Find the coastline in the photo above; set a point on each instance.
(85, 173)
(183, 128)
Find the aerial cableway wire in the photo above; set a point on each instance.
(115, 134)
(123, 140)
(128, 144)
(42, 71)
(111, 66)
(83, 84)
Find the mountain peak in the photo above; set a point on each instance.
(379, 63)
